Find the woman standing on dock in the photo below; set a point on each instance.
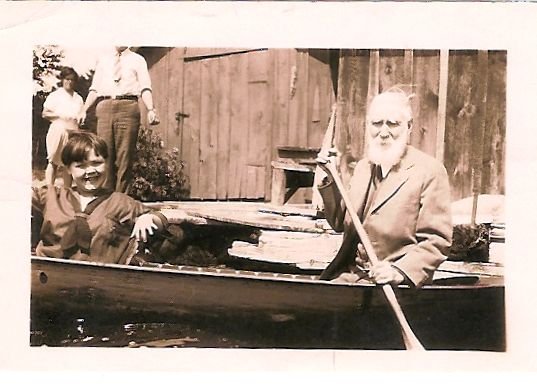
(62, 107)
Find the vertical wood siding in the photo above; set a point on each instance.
(453, 103)
(242, 104)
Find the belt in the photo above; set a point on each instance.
(118, 97)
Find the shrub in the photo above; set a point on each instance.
(158, 174)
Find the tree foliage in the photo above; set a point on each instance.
(46, 66)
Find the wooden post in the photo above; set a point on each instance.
(277, 196)
(479, 129)
(442, 104)
(409, 68)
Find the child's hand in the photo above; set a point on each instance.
(144, 224)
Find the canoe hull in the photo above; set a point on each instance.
(91, 287)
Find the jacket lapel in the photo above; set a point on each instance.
(393, 182)
(359, 185)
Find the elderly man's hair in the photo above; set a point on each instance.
(399, 94)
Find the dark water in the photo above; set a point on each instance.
(60, 328)
(352, 331)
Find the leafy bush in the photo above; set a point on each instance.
(158, 174)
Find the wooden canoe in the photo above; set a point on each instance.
(451, 302)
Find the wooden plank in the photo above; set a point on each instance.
(200, 53)
(298, 107)
(292, 166)
(191, 126)
(494, 153)
(259, 113)
(425, 102)
(250, 182)
(442, 104)
(271, 134)
(298, 130)
(282, 77)
(316, 96)
(478, 126)
(373, 87)
(323, 95)
(223, 93)
(408, 67)
(391, 68)
(461, 107)
(175, 98)
(159, 85)
(163, 84)
(208, 129)
(302, 122)
(261, 173)
(239, 124)
(352, 102)
(278, 187)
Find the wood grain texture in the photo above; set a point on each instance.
(191, 126)
(318, 96)
(493, 178)
(392, 68)
(281, 85)
(208, 128)
(479, 121)
(159, 60)
(461, 108)
(425, 103)
(352, 101)
(223, 93)
(298, 130)
(239, 125)
(174, 98)
(442, 104)
(259, 113)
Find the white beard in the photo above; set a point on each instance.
(386, 156)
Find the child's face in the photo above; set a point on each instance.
(90, 174)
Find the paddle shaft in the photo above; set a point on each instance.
(409, 338)
(326, 145)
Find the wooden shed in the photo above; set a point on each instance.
(228, 110)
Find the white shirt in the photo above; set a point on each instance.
(65, 105)
(134, 75)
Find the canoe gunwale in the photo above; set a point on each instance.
(259, 276)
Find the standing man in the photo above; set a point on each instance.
(403, 200)
(119, 80)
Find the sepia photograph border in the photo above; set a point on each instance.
(482, 26)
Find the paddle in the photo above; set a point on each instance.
(409, 338)
(326, 145)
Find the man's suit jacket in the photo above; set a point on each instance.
(408, 223)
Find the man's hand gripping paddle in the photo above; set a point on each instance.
(409, 338)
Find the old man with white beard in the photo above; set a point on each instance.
(403, 200)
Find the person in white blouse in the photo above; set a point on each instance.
(62, 107)
(120, 79)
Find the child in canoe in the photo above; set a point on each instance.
(88, 222)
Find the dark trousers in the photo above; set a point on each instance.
(118, 122)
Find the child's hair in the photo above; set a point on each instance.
(67, 71)
(79, 146)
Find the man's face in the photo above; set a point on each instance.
(388, 129)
